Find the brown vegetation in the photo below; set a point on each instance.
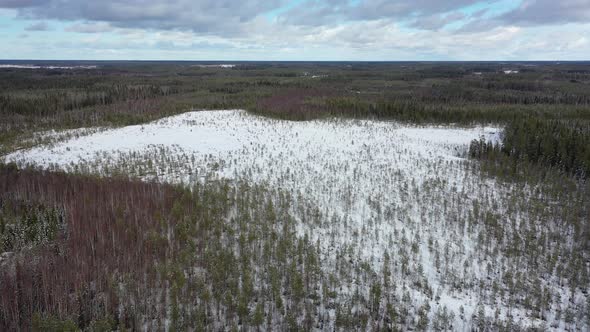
(107, 235)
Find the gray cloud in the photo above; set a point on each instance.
(39, 26)
(435, 22)
(532, 13)
(233, 18)
(374, 9)
(424, 13)
(228, 16)
(540, 12)
(89, 28)
(217, 16)
(21, 3)
(479, 25)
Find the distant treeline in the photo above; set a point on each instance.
(459, 93)
(306, 104)
(52, 102)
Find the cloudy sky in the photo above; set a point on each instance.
(378, 30)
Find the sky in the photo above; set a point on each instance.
(295, 30)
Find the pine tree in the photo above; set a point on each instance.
(258, 317)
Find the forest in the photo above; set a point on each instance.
(498, 239)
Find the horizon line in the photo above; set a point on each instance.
(345, 61)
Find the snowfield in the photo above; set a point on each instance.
(226, 132)
(380, 187)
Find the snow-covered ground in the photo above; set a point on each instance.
(379, 187)
(215, 66)
(225, 133)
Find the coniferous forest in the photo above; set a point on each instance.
(360, 196)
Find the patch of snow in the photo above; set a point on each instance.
(222, 132)
(215, 66)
